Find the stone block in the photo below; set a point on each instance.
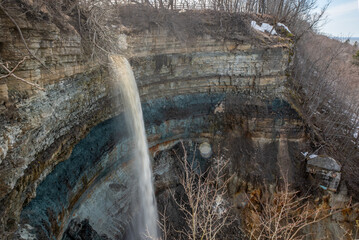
(325, 171)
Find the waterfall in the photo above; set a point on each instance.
(145, 217)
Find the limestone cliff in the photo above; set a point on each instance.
(64, 149)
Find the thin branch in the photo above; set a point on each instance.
(10, 73)
(13, 70)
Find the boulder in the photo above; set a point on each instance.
(325, 171)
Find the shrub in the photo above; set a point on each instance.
(356, 58)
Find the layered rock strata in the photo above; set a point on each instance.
(64, 151)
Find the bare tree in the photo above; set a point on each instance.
(205, 208)
(323, 83)
(281, 215)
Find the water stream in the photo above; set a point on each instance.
(144, 204)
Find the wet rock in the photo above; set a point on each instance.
(82, 231)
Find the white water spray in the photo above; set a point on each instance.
(146, 215)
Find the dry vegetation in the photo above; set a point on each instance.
(282, 214)
(324, 86)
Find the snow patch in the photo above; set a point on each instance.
(265, 27)
(313, 156)
(285, 27)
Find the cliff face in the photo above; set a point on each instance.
(40, 128)
(64, 150)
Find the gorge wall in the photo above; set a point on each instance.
(64, 151)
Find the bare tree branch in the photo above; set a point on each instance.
(11, 73)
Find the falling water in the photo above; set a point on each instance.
(146, 215)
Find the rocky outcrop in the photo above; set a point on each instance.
(64, 151)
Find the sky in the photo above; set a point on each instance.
(342, 18)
